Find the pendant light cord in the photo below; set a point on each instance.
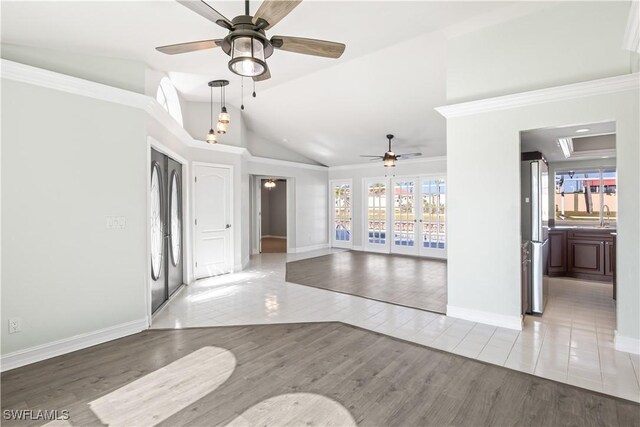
(211, 106)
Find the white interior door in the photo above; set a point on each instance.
(433, 231)
(376, 224)
(213, 214)
(341, 219)
(404, 237)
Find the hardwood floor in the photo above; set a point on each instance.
(272, 245)
(297, 374)
(397, 279)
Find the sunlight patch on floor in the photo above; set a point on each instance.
(157, 396)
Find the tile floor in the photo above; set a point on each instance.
(571, 343)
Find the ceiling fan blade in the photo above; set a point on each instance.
(174, 49)
(273, 11)
(206, 11)
(408, 155)
(314, 47)
(265, 76)
(377, 157)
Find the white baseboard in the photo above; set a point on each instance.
(274, 237)
(626, 344)
(488, 318)
(357, 248)
(67, 345)
(310, 248)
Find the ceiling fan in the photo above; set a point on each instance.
(247, 44)
(389, 159)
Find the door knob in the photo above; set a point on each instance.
(228, 226)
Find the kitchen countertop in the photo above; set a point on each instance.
(583, 227)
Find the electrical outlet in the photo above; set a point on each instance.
(115, 222)
(15, 325)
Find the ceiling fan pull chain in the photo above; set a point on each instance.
(254, 89)
(242, 93)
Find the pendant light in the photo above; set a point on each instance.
(211, 135)
(223, 118)
(270, 184)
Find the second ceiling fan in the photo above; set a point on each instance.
(247, 43)
(389, 158)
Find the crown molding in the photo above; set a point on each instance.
(401, 162)
(559, 93)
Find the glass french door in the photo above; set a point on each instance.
(376, 224)
(433, 219)
(405, 216)
(166, 227)
(341, 215)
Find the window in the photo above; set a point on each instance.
(167, 97)
(584, 196)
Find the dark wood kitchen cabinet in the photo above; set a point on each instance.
(590, 254)
(557, 253)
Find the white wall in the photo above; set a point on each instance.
(357, 174)
(68, 162)
(483, 153)
(120, 73)
(571, 42)
(262, 147)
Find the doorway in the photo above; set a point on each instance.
(406, 215)
(166, 228)
(273, 215)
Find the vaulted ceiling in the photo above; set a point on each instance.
(391, 76)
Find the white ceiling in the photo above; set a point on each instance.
(389, 79)
(546, 140)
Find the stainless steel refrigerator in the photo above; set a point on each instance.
(535, 227)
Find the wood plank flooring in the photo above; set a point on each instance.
(271, 245)
(403, 280)
(331, 373)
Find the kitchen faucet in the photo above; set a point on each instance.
(602, 223)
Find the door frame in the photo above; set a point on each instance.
(255, 213)
(231, 213)
(386, 248)
(187, 254)
(332, 235)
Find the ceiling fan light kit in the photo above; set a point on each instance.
(247, 44)
(389, 158)
(247, 55)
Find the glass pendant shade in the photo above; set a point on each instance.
(224, 117)
(211, 137)
(222, 127)
(247, 57)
